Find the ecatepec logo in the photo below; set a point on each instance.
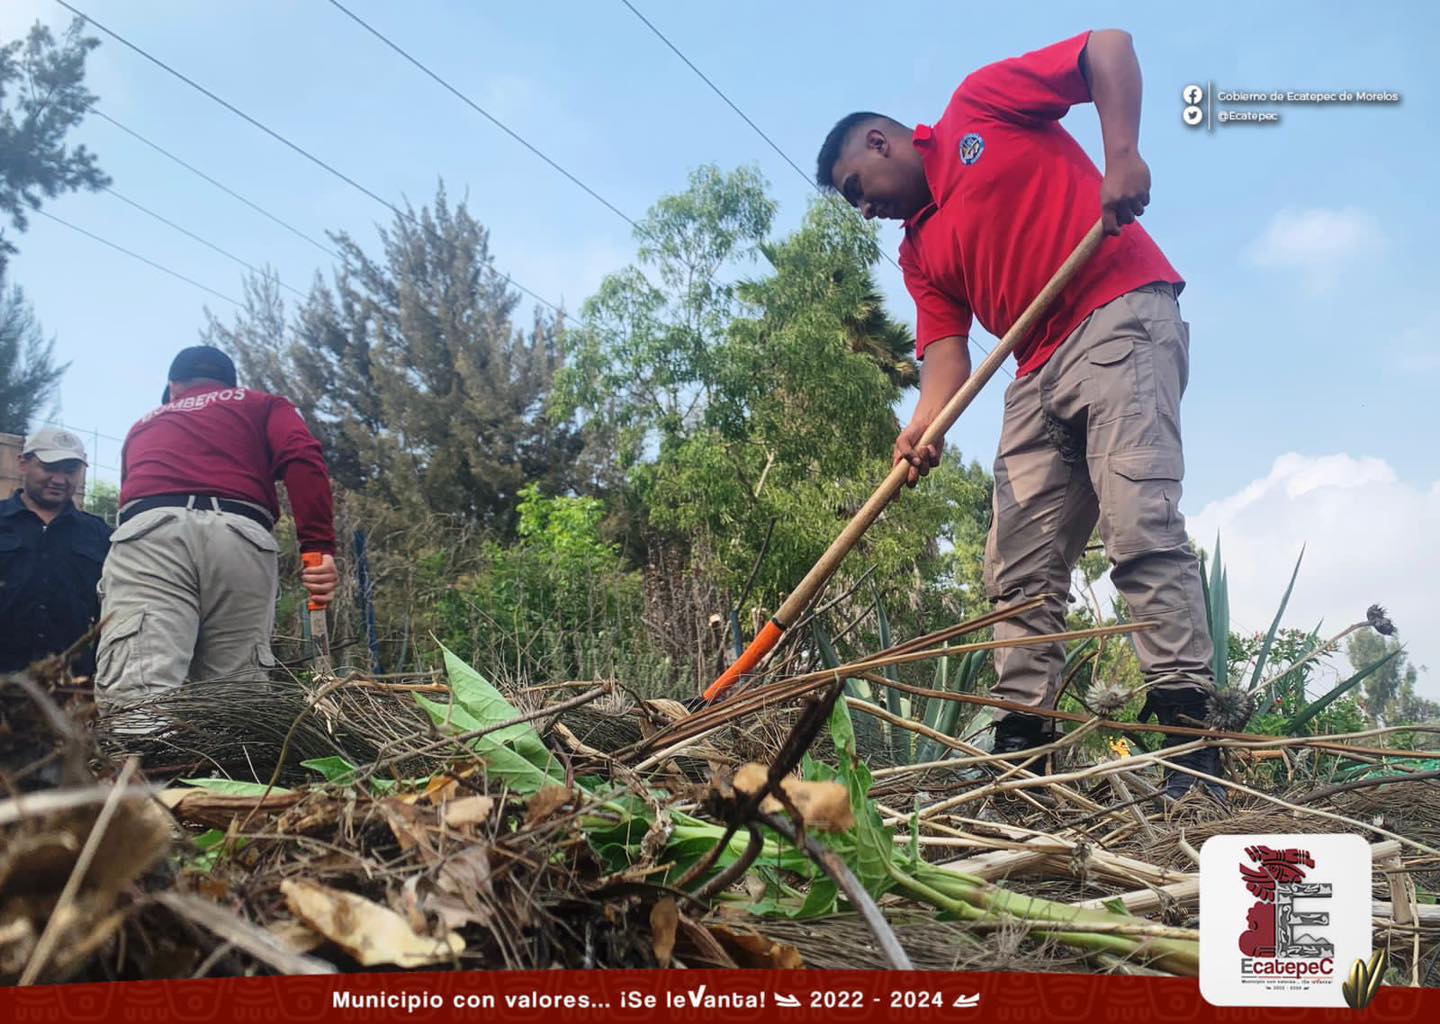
(971, 146)
(1282, 918)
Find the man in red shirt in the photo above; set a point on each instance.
(993, 197)
(188, 591)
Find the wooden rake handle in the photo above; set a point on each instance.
(803, 594)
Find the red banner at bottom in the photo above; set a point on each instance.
(638, 996)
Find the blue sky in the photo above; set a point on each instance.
(1308, 245)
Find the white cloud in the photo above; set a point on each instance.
(1369, 536)
(1319, 244)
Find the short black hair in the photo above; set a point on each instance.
(835, 142)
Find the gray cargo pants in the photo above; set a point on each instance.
(1094, 435)
(186, 594)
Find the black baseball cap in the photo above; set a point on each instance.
(200, 361)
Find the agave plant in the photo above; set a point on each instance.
(1284, 693)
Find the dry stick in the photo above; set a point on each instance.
(30, 805)
(1293, 807)
(786, 689)
(800, 598)
(1246, 740)
(1105, 768)
(46, 945)
(1345, 787)
(315, 699)
(939, 737)
(748, 698)
(1126, 763)
(242, 934)
(981, 758)
(465, 737)
(664, 755)
(832, 865)
(1326, 648)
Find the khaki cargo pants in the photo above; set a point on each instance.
(186, 594)
(1094, 435)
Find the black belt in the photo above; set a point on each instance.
(204, 501)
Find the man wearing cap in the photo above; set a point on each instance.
(50, 557)
(189, 588)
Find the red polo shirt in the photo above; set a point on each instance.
(1013, 194)
(232, 443)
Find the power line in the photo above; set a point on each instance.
(136, 255)
(718, 92)
(203, 241)
(80, 430)
(484, 113)
(223, 188)
(760, 132)
(282, 140)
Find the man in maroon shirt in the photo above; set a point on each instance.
(993, 197)
(188, 591)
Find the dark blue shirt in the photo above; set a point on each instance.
(48, 578)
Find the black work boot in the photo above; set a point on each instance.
(1017, 733)
(1188, 708)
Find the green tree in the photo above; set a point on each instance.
(725, 405)
(412, 370)
(102, 498)
(42, 97)
(28, 374)
(1389, 692)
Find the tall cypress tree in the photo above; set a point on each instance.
(413, 370)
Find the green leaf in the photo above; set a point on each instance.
(335, 768)
(935, 708)
(210, 844)
(488, 707)
(1337, 692)
(873, 844)
(971, 665)
(1117, 906)
(1219, 607)
(233, 787)
(894, 699)
(869, 727)
(1264, 654)
(509, 766)
(820, 900)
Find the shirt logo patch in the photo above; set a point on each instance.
(971, 146)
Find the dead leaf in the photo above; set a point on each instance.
(17, 942)
(217, 810)
(664, 919)
(545, 803)
(751, 949)
(750, 777)
(370, 933)
(440, 788)
(467, 874)
(702, 948)
(468, 810)
(665, 708)
(295, 936)
(824, 806)
(405, 824)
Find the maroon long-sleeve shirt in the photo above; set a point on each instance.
(232, 443)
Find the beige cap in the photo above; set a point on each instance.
(54, 444)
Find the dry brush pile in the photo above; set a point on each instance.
(432, 822)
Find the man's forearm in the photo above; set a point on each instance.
(945, 368)
(1112, 71)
